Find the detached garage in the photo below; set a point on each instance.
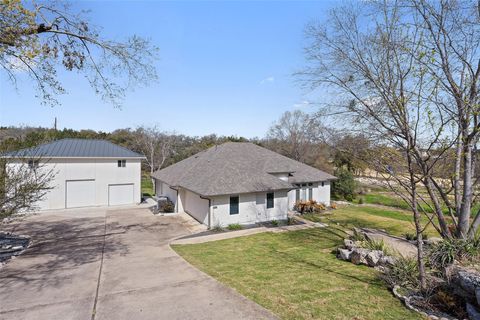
(87, 172)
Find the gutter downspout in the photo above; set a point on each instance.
(210, 214)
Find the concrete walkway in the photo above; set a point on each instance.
(111, 264)
(208, 237)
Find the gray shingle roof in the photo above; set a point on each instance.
(237, 167)
(75, 148)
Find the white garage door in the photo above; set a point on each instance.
(80, 193)
(196, 207)
(120, 194)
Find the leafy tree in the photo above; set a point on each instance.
(40, 38)
(344, 186)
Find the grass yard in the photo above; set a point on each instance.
(296, 276)
(147, 186)
(394, 221)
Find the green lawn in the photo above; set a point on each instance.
(296, 276)
(394, 221)
(147, 186)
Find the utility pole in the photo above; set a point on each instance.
(55, 124)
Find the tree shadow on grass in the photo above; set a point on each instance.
(324, 238)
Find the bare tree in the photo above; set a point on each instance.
(406, 73)
(295, 134)
(24, 183)
(156, 145)
(37, 38)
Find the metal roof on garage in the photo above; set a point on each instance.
(75, 148)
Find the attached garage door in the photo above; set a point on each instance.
(80, 193)
(119, 194)
(196, 207)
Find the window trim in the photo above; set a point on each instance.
(237, 211)
(272, 200)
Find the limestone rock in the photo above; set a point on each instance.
(373, 257)
(358, 256)
(344, 254)
(473, 313)
(348, 244)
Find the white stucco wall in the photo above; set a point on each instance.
(195, 206)
(103, 171)
(320, 193)
(250, 210)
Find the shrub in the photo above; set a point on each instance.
(344, 186)
(447, 251)
(412, 236)
(404, 273)
(309, 206)
(291, 221)
(377, 245)
(166, 206)
(217, 228)
(360, 201)
(357, 236)
(274, 223)
(234, 226)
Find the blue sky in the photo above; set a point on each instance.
(224, 68)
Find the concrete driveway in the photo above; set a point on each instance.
(111, 264)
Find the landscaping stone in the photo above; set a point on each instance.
(358, 256)
(344, 254)
(349, 244)
(387, 261)
(373, 257)
(477, 294)
(432, 240)
(473, 313)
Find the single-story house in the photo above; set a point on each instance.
(240, 182)
(86, 172)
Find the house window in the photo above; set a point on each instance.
(323, 184)
(310, 193)
(270, 197)
(234, 205)
(33, 164)
(297, 195)
(121, 163)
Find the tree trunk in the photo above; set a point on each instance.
(418, 227)
(464, 216)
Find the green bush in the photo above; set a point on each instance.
(360, 201)
(235, 226)
(404, 273)
(377, 245)
(447, 251)
(274, 223)
(344, 186)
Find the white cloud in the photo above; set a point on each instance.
(270, 79)
(302, 104)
